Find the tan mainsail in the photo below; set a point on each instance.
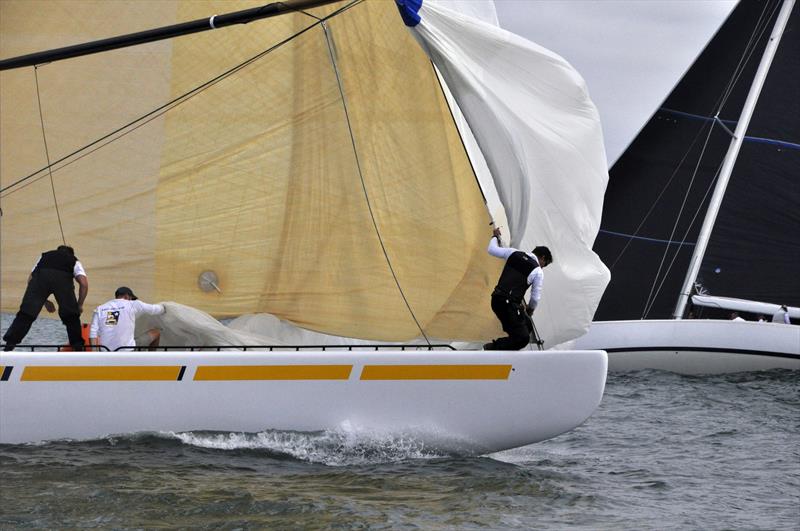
(324, 183)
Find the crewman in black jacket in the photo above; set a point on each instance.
(52, 274)
(522, 270)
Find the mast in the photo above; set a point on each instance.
(730, 157)
(165, 32)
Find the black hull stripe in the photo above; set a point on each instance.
(708, 349)
(6, 374)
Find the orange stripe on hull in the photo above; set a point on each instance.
(436, 372)
(95, 373)
(273, 372)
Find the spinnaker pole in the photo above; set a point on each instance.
(166, 32)
(730, 157)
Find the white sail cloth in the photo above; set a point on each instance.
(183, 325)
(540, 134)
(729, 303)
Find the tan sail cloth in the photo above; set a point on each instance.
(352, 215)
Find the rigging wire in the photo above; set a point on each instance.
(717, 105)
(47, 153)
(635, 233)
(760, 27)
(136, 123)
(749, 49)
(651, 297)
(683, 240)
(329, 41)
(139, 122)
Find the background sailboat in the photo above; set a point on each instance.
(659, 192)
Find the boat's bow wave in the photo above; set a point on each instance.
(344, 446)
(341, 447)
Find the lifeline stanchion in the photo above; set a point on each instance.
(535, 335)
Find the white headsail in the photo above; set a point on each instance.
(540, 134)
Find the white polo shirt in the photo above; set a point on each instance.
(114, 322)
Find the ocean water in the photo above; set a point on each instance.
(663, 451)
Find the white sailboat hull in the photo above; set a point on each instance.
(695, 346)
(471, 401)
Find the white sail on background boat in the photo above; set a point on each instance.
(310, 165)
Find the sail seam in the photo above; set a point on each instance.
(747, 138)
(657, 199)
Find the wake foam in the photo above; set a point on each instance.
(331, 447)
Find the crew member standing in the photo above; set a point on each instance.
(114, 323)
(782, 315)
(52, 274)
(520, 271)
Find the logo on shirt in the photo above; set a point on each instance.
(112, 318)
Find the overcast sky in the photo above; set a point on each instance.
(631, 52)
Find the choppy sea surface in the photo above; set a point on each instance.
(663, 451)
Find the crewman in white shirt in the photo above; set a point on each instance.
(114, 323)
(736, 317)
(782, 315)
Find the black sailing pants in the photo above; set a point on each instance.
(43, 283)
(515, 324)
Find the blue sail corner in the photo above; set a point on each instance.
(409, 11)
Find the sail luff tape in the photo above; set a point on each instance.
(211, 22)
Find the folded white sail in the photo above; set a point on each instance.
(767, 309)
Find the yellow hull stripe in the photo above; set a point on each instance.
(95, 373)
(436, 372)
(265, 372)
(273, 372)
